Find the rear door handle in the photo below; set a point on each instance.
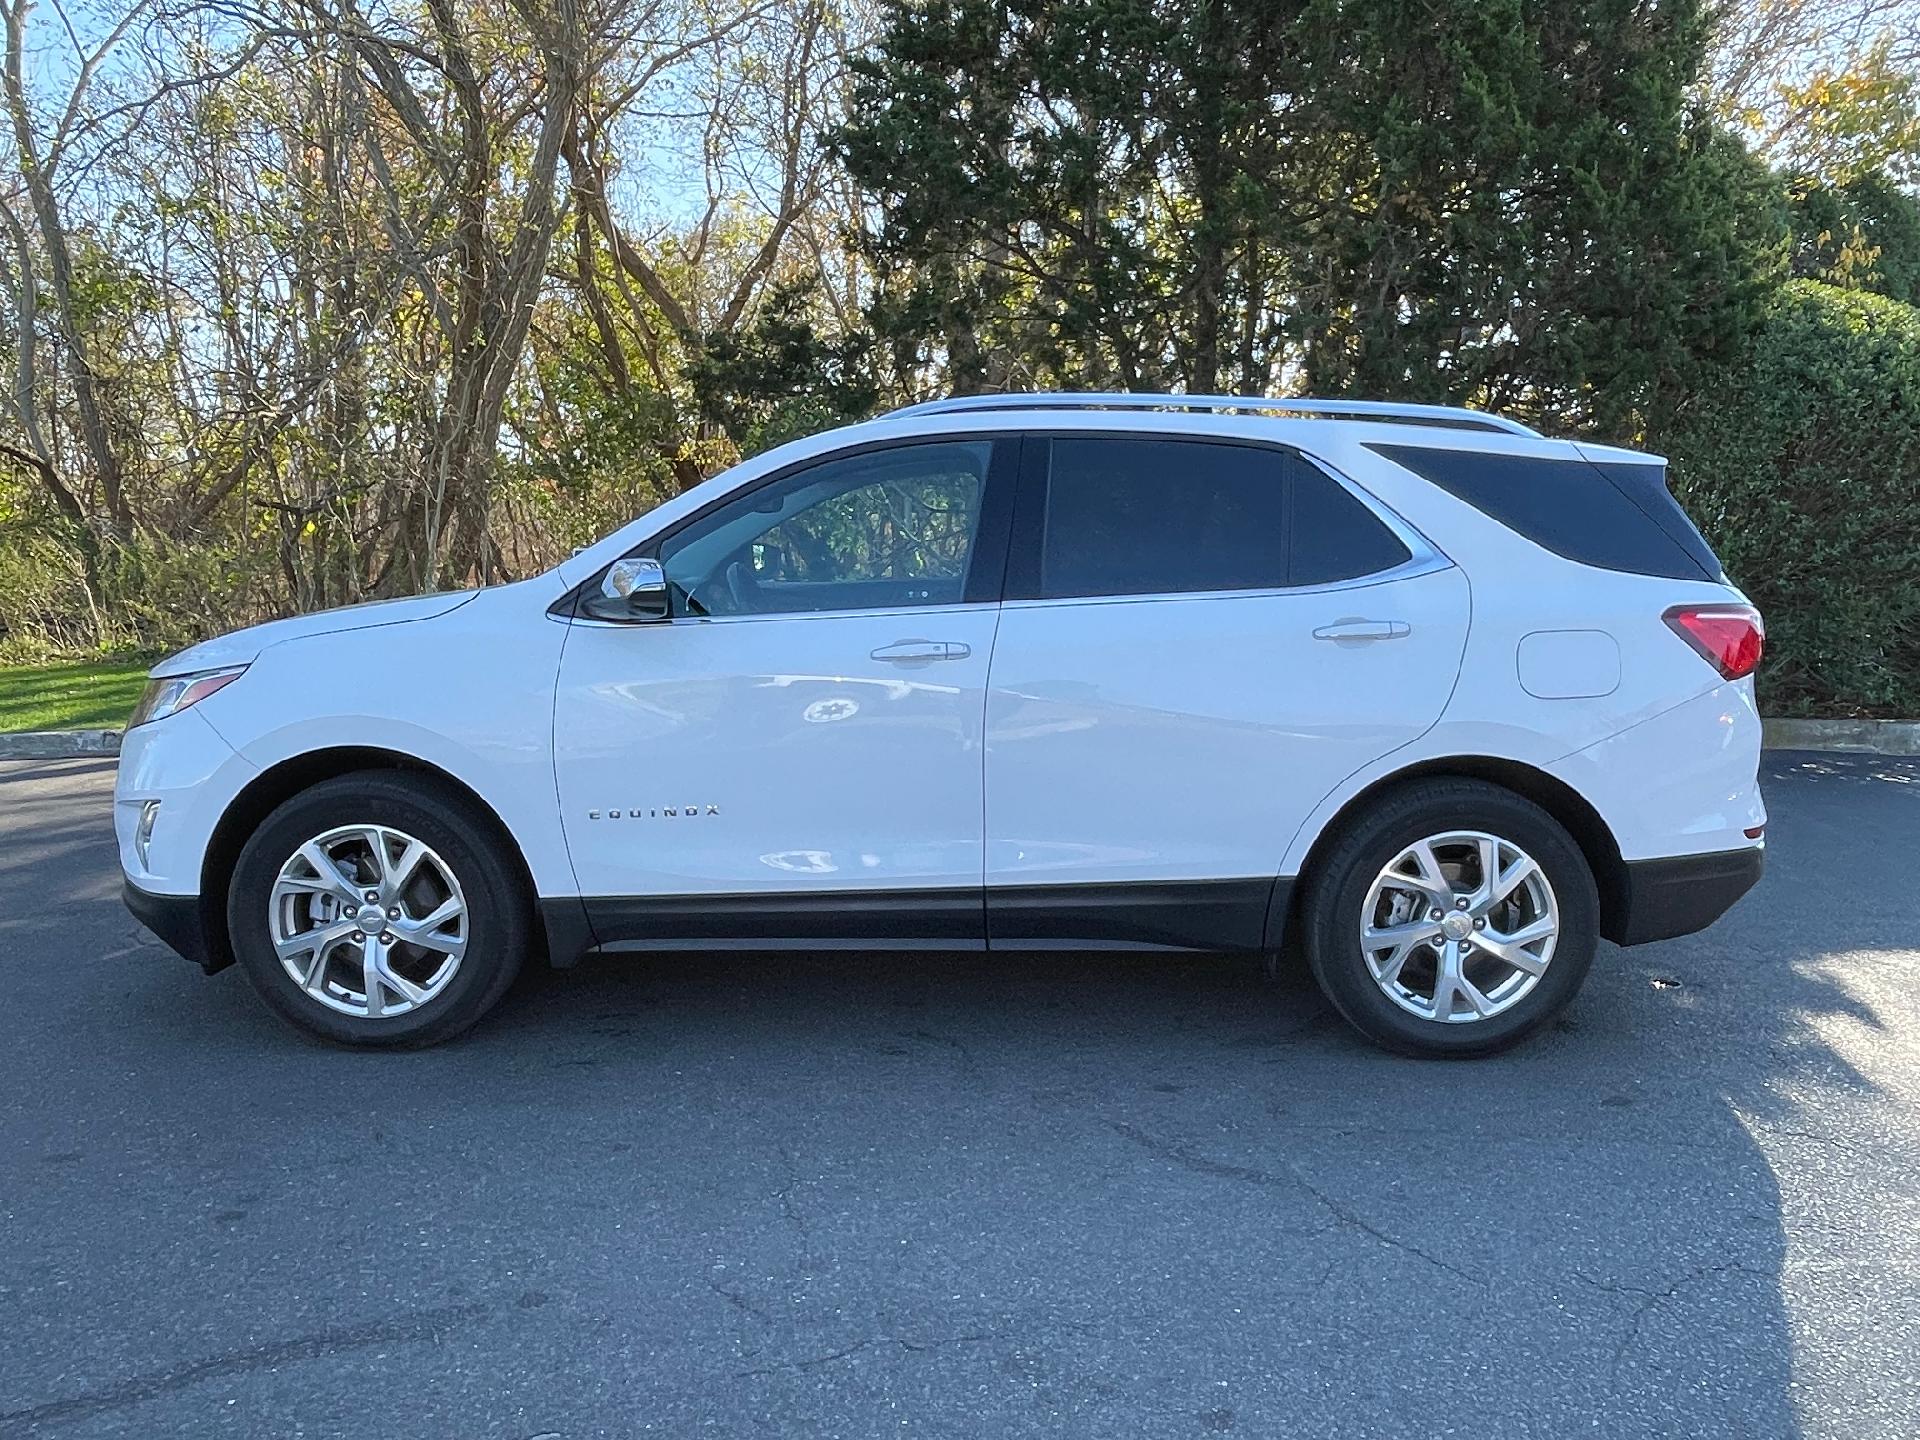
(1363, 630)
(908, 652)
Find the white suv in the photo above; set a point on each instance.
(1435, 700)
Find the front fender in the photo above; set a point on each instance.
(469, 693)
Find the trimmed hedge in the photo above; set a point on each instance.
(1803, 468)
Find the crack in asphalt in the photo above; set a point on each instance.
(1653, 1302)
(1846, 1147)
(1651, 1299)
(1293, 1179)
(419, 1326)
(791, 1210)
(739, 1302)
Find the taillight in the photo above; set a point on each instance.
(1728, 637)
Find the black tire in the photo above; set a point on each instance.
(1335, 899)
(498, 924)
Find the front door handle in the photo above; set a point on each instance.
(910, 652)
(1363, 630)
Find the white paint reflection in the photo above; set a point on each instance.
(825, 712)
(891, 689)
(801, 862)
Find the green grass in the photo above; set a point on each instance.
(69, 697)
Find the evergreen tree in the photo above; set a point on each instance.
(1860, 235)
(1500, 201)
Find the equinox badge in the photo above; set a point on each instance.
(664, 812)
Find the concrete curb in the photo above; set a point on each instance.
(1870, 737)
(59, 744)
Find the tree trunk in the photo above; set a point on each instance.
(53, 236)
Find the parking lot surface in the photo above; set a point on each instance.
(861, 1196)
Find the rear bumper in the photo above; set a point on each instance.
(176, 920)
(1678, 896)
(1681, 783)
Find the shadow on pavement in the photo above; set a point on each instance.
(1006, 1194)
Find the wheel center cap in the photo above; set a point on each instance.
(371, 920)
(1457, 926)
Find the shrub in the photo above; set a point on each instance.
(1802, 465)
(47, 606)
(143, 598)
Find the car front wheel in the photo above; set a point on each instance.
(1453, 918)
(376, 909)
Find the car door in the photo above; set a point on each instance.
(1200, 640)
(794, 752)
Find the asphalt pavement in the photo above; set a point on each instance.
(978, 1196)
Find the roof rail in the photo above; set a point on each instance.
(1453, 416)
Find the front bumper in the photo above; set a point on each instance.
(185, 765)
(1678, 896)
(177, 920)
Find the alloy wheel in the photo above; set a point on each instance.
(1459, 926)
(368, 921)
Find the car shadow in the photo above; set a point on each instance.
(1079, 1194)
(1586, 1231)
(1593, 1210)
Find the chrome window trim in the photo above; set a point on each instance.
(1409, 571)
(961, 607)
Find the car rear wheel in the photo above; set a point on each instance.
(377, 909)
(1452, 918)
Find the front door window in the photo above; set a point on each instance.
(880, 530)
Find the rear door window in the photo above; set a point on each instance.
(1129, 516)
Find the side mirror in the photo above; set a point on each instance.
(632, 590)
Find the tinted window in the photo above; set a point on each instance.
(1569, 506)
(878, 530)
(1335, 537)
(1162, 517)
(1646, 486)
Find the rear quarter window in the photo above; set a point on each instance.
(1646, 486)
(1582, 511)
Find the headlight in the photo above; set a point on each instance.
(175, 693)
